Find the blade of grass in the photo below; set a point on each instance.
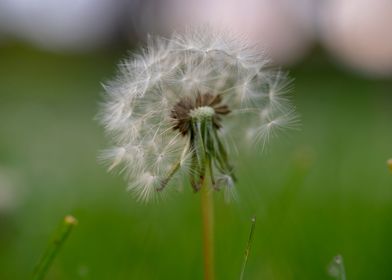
(248, 246)
(47, 258)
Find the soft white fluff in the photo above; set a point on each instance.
(136, 110)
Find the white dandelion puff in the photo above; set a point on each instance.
(184, 104)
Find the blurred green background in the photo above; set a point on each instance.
(317, 192)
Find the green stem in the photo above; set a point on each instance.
(207, 212)
(248, 246)
(46, 260)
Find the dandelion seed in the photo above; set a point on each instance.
(336, 268)
(227, 183)
(183, 104)
(114, 156)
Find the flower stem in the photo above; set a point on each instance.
(207, 212)
(54, 247)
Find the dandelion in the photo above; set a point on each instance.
(178, 104)
(182, 106)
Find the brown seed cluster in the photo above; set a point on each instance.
(181, 111)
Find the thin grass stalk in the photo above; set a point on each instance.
(54, 247)
(248, 246)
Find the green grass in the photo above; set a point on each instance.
(318, 192)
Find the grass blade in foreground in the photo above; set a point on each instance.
(54, 247)
(248, 246)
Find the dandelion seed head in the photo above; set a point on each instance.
(150, 108)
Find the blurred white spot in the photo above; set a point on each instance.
(359, 32)
(60, 25)
(10, 190)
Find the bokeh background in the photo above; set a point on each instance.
(318, 192)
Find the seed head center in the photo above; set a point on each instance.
(199, 108)
(203, 112)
